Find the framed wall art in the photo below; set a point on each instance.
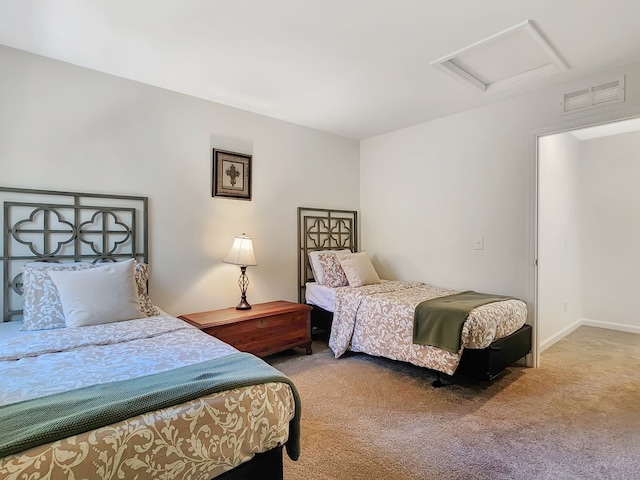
(231, 175)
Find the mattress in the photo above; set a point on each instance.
(378, 320)
(10, 330)
(320, 296)
(198, 439)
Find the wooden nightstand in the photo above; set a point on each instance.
(265, 329)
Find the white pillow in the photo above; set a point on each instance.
(42, 309)
(316, 267)
(104, 294)
(358, 269)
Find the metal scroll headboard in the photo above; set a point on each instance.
(323, 229)
(52, 226)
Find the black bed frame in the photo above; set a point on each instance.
(264, 466)
(326, 229)
(57, 226)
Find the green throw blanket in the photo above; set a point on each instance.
(439, 321)
(42, 420)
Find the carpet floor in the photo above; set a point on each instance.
(575, 417)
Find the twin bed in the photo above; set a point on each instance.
(121, 390)
(376, 317)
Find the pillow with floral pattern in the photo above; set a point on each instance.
(142, 277)
(332, 273)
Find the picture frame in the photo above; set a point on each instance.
(231, 175)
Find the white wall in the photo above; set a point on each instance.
(429, 190)
(559, 239)
(67, 128)
(611, 229)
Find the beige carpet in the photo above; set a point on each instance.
(575, 417)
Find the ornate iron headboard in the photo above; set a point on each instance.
(323, 229)
(52, 226)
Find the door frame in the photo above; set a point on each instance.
(590, 120)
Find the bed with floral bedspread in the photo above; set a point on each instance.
(198, 439)
(378, 319)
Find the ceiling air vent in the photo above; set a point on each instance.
(594, 96)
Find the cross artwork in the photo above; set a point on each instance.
(233, 174)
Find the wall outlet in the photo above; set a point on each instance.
(479, 243)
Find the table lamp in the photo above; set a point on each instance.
(241, 253)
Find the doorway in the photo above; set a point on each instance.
(587, 229)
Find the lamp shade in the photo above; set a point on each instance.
(241, 252)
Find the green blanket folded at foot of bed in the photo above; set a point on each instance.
(439, 321)
(42, 420)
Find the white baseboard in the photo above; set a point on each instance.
(559, 336)
(610, 325)
(587, 322)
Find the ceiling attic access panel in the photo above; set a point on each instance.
(514, 56)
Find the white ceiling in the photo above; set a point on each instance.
(356, 68)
